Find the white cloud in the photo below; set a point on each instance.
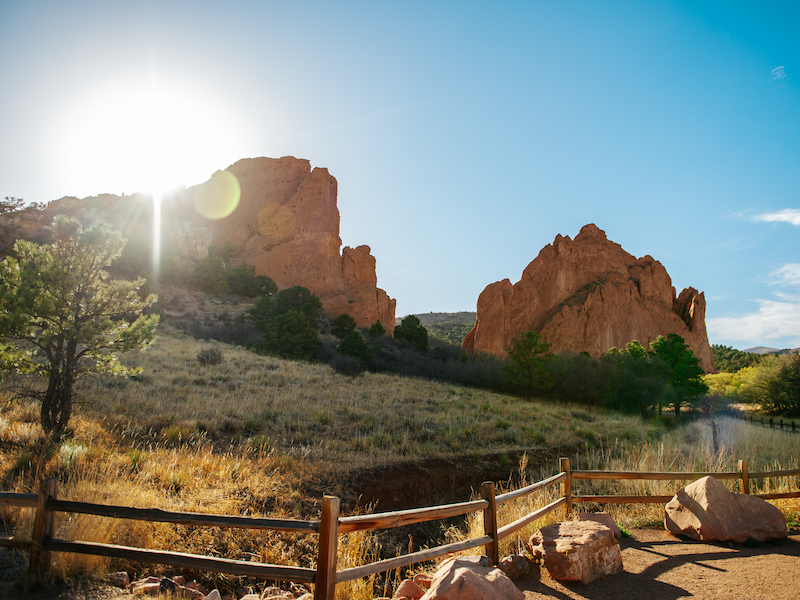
(778, 73)
(774, 320)
(787, 215)
(787, 275)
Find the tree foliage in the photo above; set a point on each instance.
(288, 323)
(354, 345)
(61, 317)
(731, 360)
(686, 376)
(343, 325)
(528, 355)
(414, 332)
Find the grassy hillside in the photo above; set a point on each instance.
(448, 327)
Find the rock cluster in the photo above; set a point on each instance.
(177, 587)
(706, 510)
(588, 295)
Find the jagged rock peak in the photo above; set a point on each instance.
(587, 295)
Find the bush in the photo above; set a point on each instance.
(209, 357)
(342, 325)
(348, 365)
(377, 329)
(353, 345)
(411, 330)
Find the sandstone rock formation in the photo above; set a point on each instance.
(286, 225)
(706, 511)
(577, 550)
(588, 295)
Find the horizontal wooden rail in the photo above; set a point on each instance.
(399, 518)
(14, 499)
(187, 561)
(651, 475)
(508, 496)
(623, 499)
(14, 543)
(183, 518)
(779, 495)
(409, 559)
(507, 530)
(787, 473)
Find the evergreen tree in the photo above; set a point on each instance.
(527, 356)
(61, 317)
(686, 376)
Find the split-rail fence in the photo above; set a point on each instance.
(330, 525)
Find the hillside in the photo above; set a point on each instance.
(448, 327)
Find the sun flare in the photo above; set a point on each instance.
(131, 141)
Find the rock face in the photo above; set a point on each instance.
(464, 578)
(706, 511)
(588, 295)
(286, 225)
(577, 550)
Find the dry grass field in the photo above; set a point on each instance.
(257, 435)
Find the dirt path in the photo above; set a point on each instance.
(659, 566)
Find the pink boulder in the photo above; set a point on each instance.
(706, 510)
(463, 578)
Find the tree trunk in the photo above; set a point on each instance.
(57, 403)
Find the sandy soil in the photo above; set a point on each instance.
(659, 566)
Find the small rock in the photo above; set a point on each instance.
(250, 597)
(119, 579)
(465, 578)
(276, 593)
(213, 595)
(515, 566)
(423, 580)
(199, 587)
(604, 519)
(408, 589)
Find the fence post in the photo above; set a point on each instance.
(771, 423)
(42, 527)
(566, 485)
(490, 522)
(325, 579)
(744, 478)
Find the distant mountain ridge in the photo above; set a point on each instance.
(767, 350)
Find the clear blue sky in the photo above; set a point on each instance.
(464, 135)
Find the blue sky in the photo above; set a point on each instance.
(464, 135)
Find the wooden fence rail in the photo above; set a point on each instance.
(325, 576)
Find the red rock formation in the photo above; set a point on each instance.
(286, 225)
(588, 295)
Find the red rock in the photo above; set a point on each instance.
(462, 578)
(706, 510)
(516, 566)
(588, 295)
(119, 579)
(286, 225)
(408, 588)
(577, 551)
(604, 519)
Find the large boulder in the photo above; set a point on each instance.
(577, 551)
(706, 510)
(588, 295)
(465, 578)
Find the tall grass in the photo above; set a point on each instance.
(686, 448)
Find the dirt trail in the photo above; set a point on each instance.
(659, 566)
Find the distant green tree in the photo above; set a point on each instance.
(288, 323)
(354, 345)
(343, 325)
(526, 369)
(686, 377)
(243, 281)
(634, 379)
(411, 330)
(61, 317)
(209, 274)
(779, 386)
(729, 360)
(376, 329)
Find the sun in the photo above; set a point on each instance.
(119, 139)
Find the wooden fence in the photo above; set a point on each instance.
(325, 576)
(772, 423)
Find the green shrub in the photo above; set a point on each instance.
(342, 325)
(411, 330)
(354, 345)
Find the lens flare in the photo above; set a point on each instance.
(219, 196)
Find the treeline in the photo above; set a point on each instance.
(730, 360)
(772, 384)
(633, 379)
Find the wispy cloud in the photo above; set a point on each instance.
(778, 73)
(787, 215)
(787, 275)
(774, 320)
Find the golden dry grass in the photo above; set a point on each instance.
(250, 435)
